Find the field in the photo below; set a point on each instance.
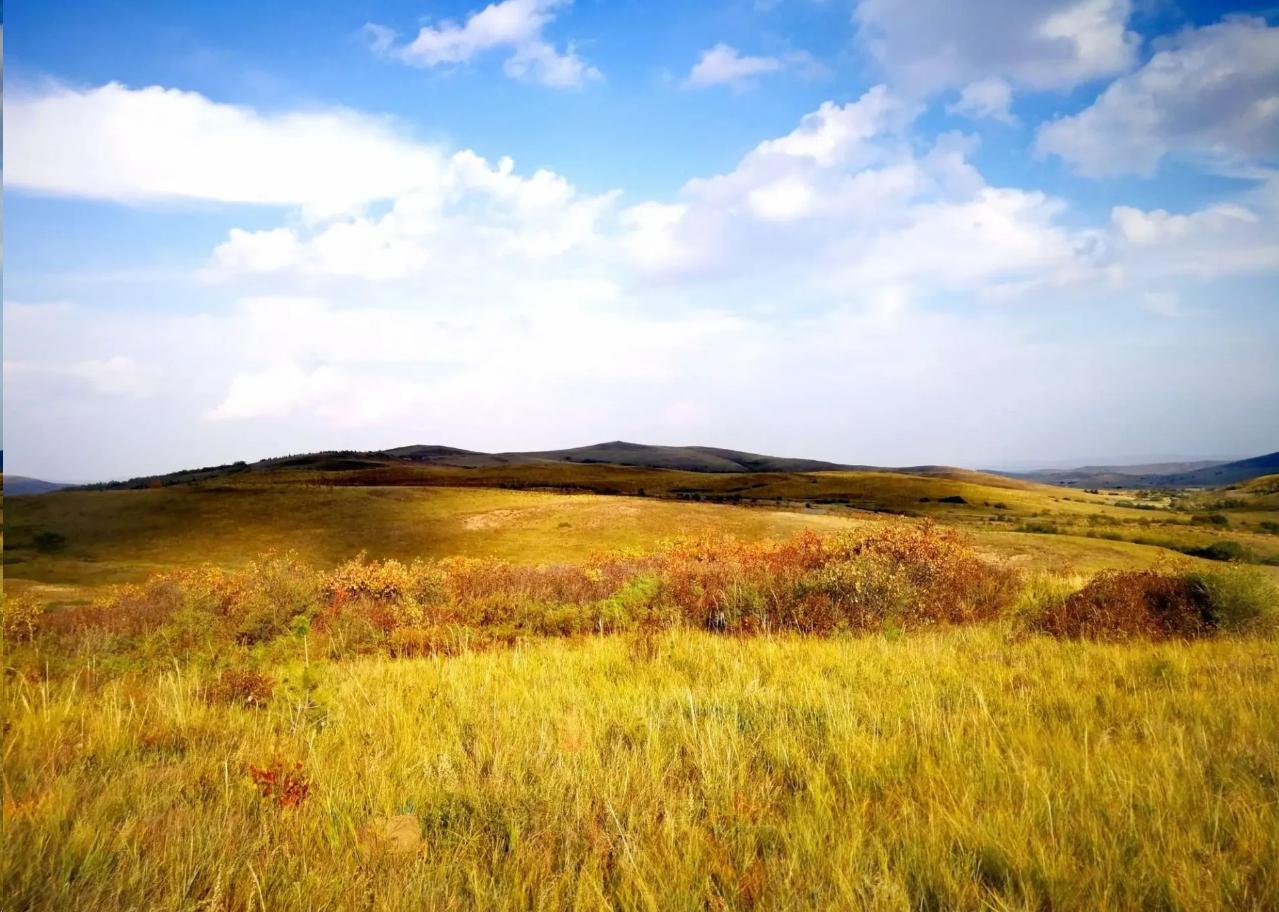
(938, 771)
(555, 513)
(566, 693)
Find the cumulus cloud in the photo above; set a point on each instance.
(725, 65)
(1210, 95)
(139, 145)
(932, 45)
(477, 217)
(151, 144)
(987, 98)
(997, 235)
(1222, 239)
(850, 196)
(515, 26)
(846, 201)
(489, 308)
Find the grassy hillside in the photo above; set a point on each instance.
(117, 536)
(1231, 472)
(523, 513)
(884, 719)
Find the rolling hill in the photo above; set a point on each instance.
(709, 460)
(621, 452)
(17, 485)
(1229, 473)
(1204, 473)
(420, 463)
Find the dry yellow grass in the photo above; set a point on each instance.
(967, 768)
(123, 536)
(119, 536)
(956, 770)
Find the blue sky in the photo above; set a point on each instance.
(885, 231)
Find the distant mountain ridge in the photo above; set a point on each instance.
(1203, 473)
(17, 485)
(622, 452)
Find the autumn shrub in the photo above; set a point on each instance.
(21, 615)
(255, 603)
(869, 593)
(952, 584)
(899, 576)
(389, 593)
(241, 687)
(283, 784)
(1131, 604)
(127, 612)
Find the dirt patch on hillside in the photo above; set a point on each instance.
(492, 519)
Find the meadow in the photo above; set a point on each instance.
(530, 699)
(944, 770)
(76, 542)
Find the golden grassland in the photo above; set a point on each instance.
(124, 535)
(959, 769)
(520, 721)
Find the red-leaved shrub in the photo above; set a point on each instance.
(1130, 604)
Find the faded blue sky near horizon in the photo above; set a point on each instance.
(872, 231)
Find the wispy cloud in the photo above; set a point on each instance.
(725, 65)
(514, 26)
(987, 98)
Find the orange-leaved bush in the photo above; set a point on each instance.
(900, 575)
(1129, 604)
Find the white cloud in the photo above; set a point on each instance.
(724, 65)
(116, 375)
(847, 197)
(479, 217)
(783, 200)
(516, 26)
(932, 45)
(1222, 239)
(358, 366)
(139, 145)
(834, 133)
(649, 235)
(987, 98)
(995, 237)
(491, 308)
(845, 202)
(276, 391)
(1209, 94)
(152, 144)
(259, 251)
